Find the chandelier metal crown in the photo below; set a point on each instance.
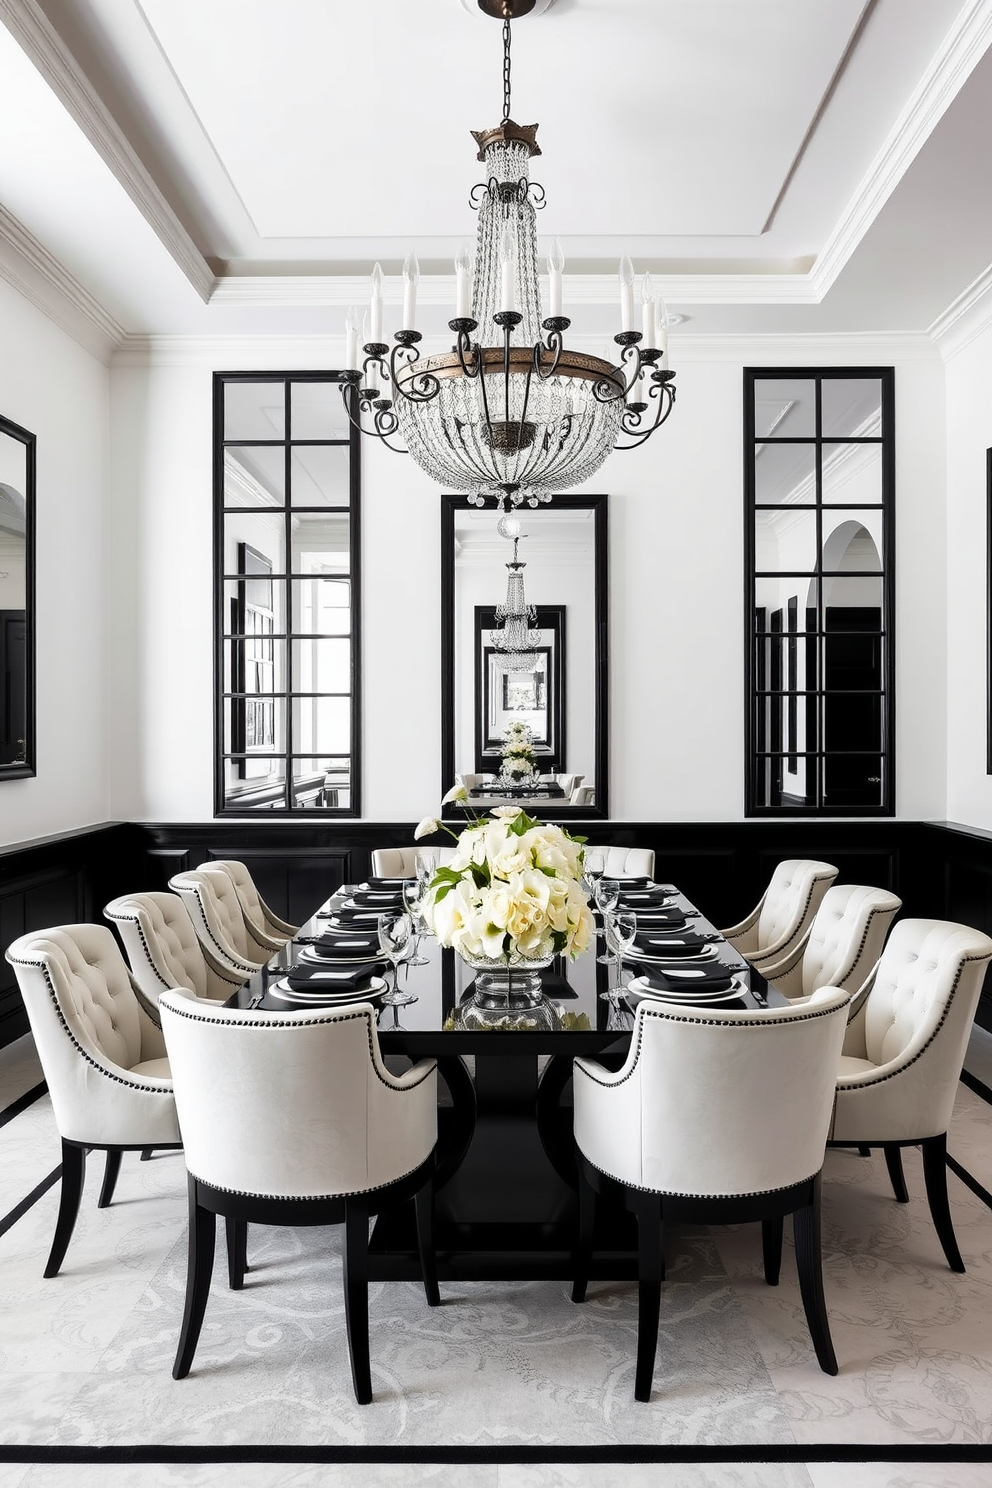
(522, 416)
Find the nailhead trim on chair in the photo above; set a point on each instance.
(817, 877)
(43, 968)
(670, 1193)
(710, 1023)
(169, 986)
(246, 1193)
(864, 1082)
(272, 1022)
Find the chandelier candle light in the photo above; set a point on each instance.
(514, 415)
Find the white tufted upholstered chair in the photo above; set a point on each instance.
(902, 1057)
(841, 946)
(218, 919)
(103, 1058)
(334, 1137)
(569, 783)
(681, 1132)
(783, 913)
(582, 795)
(165, 951)
(622, 862)
(401, 862)
(263, 924)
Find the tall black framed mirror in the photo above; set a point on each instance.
(17, 514)
(561, 691)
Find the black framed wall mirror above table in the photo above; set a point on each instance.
(561, 691)
(17, 520)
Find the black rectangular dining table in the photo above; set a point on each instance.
(505, 1195)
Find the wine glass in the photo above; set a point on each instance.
(593, 868)
(412, 892)
(623, 929)
(395, 928)
(606, 895)
(426, 865)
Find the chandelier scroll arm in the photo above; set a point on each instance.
(384, 421)
(554, 346)
(423, 385)
(662, 387)
(469, 352)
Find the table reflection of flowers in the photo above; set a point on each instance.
(508, 902)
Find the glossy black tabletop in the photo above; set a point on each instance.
(430, 1023)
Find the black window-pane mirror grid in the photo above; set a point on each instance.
(819, 475)
(287, 483)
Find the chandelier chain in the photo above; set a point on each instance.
(506, 69)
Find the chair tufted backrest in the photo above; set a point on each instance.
(324, 1115)
(401, 862)
(163, 948)
(688, 1113)
(927, 986)
(217, 916)
(623, 862)
(847, 936)
(792, 898)
(93, 1037)
(253, 906)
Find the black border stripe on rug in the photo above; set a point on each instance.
(970, 1181)
(482, 1456)
(22, 1102)
(19, 1210)
(975, 1084)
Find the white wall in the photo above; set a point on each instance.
(676, 544)
(52, 387)
(969, 436)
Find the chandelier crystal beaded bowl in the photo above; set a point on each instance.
(512, 414)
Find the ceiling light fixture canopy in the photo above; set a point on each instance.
(514, 416)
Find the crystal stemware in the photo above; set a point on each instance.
(624, 929)
(606, 895)
(412, 893)
(395, 928)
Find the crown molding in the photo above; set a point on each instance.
(961, 49)
(32, 29)
(47, 284)
(326, 352)
(966, 317)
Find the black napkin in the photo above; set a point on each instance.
(642, 898)
(343, 978)
(632, 882)
(347, 947)
(668, 945)
(659, 920)
(387, 883)
(713, 977)
(363, 918)
(380, 899)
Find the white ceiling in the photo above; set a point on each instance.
(219, 166)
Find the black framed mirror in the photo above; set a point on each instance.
(17, 512)
(563, 693)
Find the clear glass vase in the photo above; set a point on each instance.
(509, 994)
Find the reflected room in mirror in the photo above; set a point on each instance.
(820, 684)
(287, 488)
(543, 667)
(17, 487)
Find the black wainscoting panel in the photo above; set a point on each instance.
(939, 870)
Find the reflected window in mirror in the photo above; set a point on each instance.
(287, 485)
(17, 517)
(560, 690)
(819, 496)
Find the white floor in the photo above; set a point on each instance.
(85, 1358)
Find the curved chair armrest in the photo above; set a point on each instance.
(261, 938)
(734, 932)
(779, 950)
(787, 973)
(412, 1077)
(274, 920)
(599, 1073)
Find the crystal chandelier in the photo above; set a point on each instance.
(515, 638)
(510, 414)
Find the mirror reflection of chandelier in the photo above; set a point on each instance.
(522, 418)
(515, 637)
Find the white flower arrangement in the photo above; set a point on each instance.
(512, 892)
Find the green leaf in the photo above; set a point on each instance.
(440, 893)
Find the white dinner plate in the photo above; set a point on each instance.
(311, 955)
(671, 958)
(286, 993)
(638, 991)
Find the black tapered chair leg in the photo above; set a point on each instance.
(893, 1161)
(935, 1177)
(356, 1294)
(771, 1248)
(650, 1273)
(237, 1252)
(199, 1267)
(806, 1226)
(73, 1173)
(146, 1154)
(110, 1173)
(582, 1256)
(423, 1201)
(864, 1151)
